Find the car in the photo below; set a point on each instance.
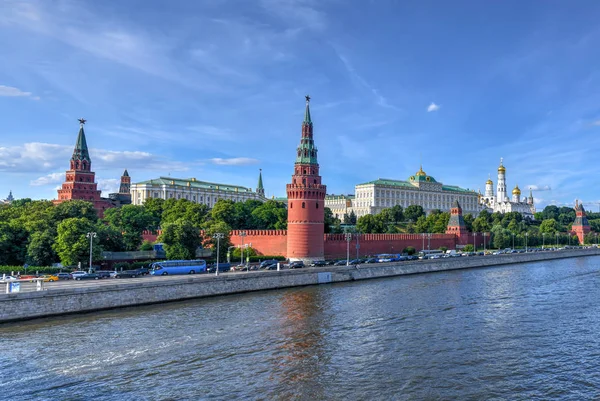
(372, 260)
(223, 267)
(77, 273)
(298, 264)
(104, 273)
(354, 262)
(87, 276)
(272, 266)
(413, 257)
(127, 273)
(8, 278)
(64, 276)
(340, 263)
(49, 277)
(318, 263)
(329, 262)
(239, 267)
(267, 262)
(143, 271)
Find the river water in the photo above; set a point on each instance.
(518, 332)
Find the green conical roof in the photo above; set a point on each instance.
(307, 119)
(125, 174)
(81, 149)
(260, 183)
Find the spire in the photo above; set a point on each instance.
(307, 119)
(125, 173)
(81, 149)
(10, 196)
(259, 188)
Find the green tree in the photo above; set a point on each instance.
(369, 224)
(270, 215)
(468, 218)
(194, 213)
(330, 221)
(146, 246)
(397, 213)
(13, 243)
(110, 239)
(181, 238)
(132, 221)
(74, 208)
(211, 242)
(39, 250)
(469, 248)
(72, 245)
(549, 226)
(154, 206)
(413, 212)
(421, 226)
(352, 217)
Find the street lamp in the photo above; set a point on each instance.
(543, 240)
(348, 239)
(526, 236)
(218, 237)
(484, 235)
(474, 241)
(423, 245)
(229, 253)
(557, 240)
(91, 235)
(428, 241)
(513, 234)
(242, 235)
(596, 234)
(357, 244)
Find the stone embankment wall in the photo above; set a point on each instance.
(29, 305)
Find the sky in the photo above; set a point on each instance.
(214, 89)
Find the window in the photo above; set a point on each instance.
(317, 205)
(291, 205)
(303, 205)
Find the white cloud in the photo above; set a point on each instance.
(108, 186)
(433, 107)
(41, 157)
(539, 188)
(52, 178)
(235, 161)
(10, 91)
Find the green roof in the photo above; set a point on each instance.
(407, 184)
(333, 196)
(193, 183)
(81, 149)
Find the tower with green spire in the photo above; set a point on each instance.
(306, 199)
(260, 190)
(80, 179)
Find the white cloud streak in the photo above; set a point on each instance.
(52, 178)
(539, 188)
(235, 161)
(433, 107)
(11, 91)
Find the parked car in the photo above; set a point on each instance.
(267, 262)
(104, 273)
(318, 263)
(355, 262)
(77, 273)
(143, 271)
(340, 263)
(239, 267)
(8, 278)
(64, 276)
(223, 267)
(272, 266)
(371, 260)
(49, 277)
(298, 264)
(330, 262)
(127, 273)
(86, 276)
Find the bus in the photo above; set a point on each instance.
(178, 267)
(430, 254)
(388, 257)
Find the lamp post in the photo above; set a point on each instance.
(348, 239)
(242, 235)
(357, 244)
(218, 237)
(423, 245)
(513, 235)
(484, 235)
(526, 236)
(596, 234)
(428, 241)
(557, 240)
(475, 242)
(229, 253)
(543, 240)
(91, 235)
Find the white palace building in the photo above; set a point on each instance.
(501, 202)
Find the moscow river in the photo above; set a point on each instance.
(518, 332)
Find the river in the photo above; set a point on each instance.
(517, 332)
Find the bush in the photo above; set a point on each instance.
(146, 246)
(33, 269)
(443, 248)
(468, 248)
(409, 250)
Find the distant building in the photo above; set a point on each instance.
(500, 202)
(581, 226)
(80, 179)
(193, 190)
(8, 200)
(420, 189)
(123, 197)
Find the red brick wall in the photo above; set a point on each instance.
(265, 242)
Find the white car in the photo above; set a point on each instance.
(8, 278)
(78, 274)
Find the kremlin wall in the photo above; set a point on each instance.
(305, 238)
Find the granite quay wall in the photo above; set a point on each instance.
(30, 305)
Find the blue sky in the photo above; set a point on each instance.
(215, 90)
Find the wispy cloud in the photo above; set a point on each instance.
(109, 185)
(52, 178)
(11, 91)
(298, 13)
(595, 123)
(356, 77)
(538, 188)
(433, 107)
(235, 161)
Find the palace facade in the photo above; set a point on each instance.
(420, 189)
(196, 191)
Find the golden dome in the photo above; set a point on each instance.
(501, 168)
(516, 191)
(421, 173)
(489, 182)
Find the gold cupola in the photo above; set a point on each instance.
(421, 173)
(516, 191)
(501, 168)
(489, 182)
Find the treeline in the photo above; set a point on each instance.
(39, 233)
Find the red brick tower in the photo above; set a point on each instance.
(306, 200)
(456, 224)
(580, 226)
(79, 183)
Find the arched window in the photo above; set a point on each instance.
(303, 205)
(317, 205)
(315, 180)
(291, 205)
(304, 171)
